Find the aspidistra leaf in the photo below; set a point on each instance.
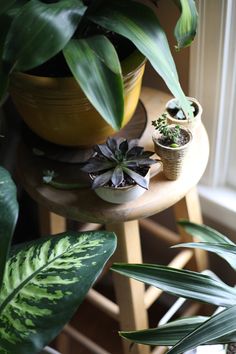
(180, 282)
(44, 283)
(139, 24)
(222, 324)
(8, 216)
(39, 31)
(96, 58)
(186, 27)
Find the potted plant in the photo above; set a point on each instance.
(175, 114)
(43, 282)
(43, 43)
(188, 333)
(119, 170)
(171, 143)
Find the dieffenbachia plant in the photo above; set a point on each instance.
(188, 333)
(33, 31)
(44, 281)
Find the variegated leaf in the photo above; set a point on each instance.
(44, 283)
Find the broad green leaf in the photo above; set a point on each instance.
(44, 283)
(8, 216)
(226, 251)
(5, 22)
(96, 58)
(222, 324)
(39, 31)
(207, 234)
(186, 27)
(179, 282)
(5, 5)
(139, 24)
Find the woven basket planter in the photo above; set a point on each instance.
(190, 124)
(172, 158)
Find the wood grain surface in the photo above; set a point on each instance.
(85, 206)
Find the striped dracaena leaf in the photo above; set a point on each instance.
(44, 283)
(217, 242)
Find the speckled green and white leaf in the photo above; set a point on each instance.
(44, 283)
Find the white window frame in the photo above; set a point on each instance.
(213, 82)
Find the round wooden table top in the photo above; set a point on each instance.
(85, 206)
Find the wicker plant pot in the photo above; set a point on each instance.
(172, 158)
(190, 124)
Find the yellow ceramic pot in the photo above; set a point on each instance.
(57, 110)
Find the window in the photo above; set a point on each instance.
(213, 82)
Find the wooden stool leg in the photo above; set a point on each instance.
(129, 292)
(50, 223)
(189, 208)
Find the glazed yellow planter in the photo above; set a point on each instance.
(57, 110)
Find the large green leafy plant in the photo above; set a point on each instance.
(33, 31)
(42, 282)
(188, 333)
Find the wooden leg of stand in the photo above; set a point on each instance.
(51, 224)
(189, 208)
(129, 292)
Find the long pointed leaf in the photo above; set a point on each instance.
(225, 251)
(44, 283)
(172, 332)
(222, 324)
(96, 58)
(140, 25)
(8, 216)
(181, 283)
(207, 234)
(186, 27)
(167, 334)
(40, 31)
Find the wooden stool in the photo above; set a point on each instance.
(83, 205)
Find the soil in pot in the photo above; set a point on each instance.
(175, 115)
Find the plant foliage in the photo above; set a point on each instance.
(44, 280)
(33, 31)
(170, 133)
(186, 334)
(119, 162)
